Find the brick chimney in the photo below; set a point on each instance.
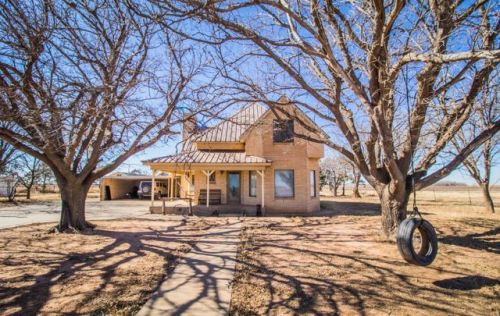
(189, 125)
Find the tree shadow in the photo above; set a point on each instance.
(481, 241)
(333, 208)
(472, 282)
(28, 292)
(319, 266)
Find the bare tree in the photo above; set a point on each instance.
(333, 173)
(369, 68)
(87, 84)
(480, 163)
(29, 172)
(46, 177)
(356, 180)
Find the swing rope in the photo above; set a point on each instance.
(415, 211)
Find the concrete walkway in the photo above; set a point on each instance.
(200, 283)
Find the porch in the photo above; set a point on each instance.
(215, 188)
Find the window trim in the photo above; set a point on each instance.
(293, 184)
(250, 173)
(312, 186)
(292, 137)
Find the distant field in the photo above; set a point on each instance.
(459, 199)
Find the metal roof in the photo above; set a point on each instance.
(128, 176)
(201, 157)
(232, 128)
(228, 131)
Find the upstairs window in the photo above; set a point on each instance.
(283, 131)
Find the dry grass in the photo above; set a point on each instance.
(109, 272)
(341, 264)
(42, 198)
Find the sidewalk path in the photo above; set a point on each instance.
(200, 283)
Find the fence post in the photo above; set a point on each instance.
(163, 206)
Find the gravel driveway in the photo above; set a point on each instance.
(23, 214)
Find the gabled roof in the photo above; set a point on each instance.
(231, 129)
(210, 157)
(297, 113)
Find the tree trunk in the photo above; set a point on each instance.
(28, 193)
(488, 201)
(335, 188)
(355, 189)
(73, 196)
(393, 208)
(44, 184)
(343, 188)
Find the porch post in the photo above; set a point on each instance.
(262, 173)
(174, 182)
(153, 185)
(208, 173)
(171, 186)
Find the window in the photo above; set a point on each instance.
(252, 186)
(192, 184)
(312, 182)
(212, 178)
(284, 184)
(283, 131)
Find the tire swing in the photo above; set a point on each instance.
(415, 223)
(426, 253)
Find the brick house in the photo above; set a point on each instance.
(256, 157)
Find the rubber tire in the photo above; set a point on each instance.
(429, 248)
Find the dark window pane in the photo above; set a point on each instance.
(284, 183)
(283, 131)
(212, 177)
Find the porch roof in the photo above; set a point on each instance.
(210, 157)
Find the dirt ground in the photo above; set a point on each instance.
(341, 264)
(336, 263)
(111, 271)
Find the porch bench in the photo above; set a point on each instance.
(215, 197)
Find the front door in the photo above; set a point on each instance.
(233, 188)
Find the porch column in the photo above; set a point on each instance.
(153, 185)
(208, 173)
(171, 189)
(174, 184)
(262, 173)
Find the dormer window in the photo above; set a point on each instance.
(283, 131)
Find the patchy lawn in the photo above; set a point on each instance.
(110, 271)
(341, 264)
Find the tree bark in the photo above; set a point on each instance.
(334, 189)
(355, 189)
(73, 196)
(343, 188)
(28, 193)
(393, 206)
(488, 201)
